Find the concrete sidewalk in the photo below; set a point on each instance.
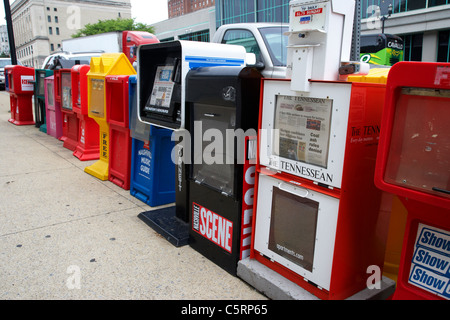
(64, 234)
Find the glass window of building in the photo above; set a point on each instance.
(231, 11)
(413, 44)
(202, 36)
(397, 6)
(443, 54)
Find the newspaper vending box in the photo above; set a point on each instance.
(88, 146)
(117, 116)
(222, 104)
(39, 98)
(316, 219)
(19, 83)
(414, 163)
(317, 207)
(152, 171)
(161, 89)
(106, 64)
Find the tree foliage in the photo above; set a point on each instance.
(118, 24)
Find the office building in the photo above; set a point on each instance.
(178, 8)
(41, 25)
(4, 43)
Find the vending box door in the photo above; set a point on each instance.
(413, 158)
(296, 228)
(419, 154)
(79, 88)
(117, 100)
(162, 71)
(39, 98)
(66, 91)
(96, 87)
(50, 94)
(211, 166)
(40, 76)
(304, 134)
(222, 106)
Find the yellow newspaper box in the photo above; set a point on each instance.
(106, 64)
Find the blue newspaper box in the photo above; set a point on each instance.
(152, 170)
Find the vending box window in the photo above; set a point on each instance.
(222, 106)
(161, 102)
(152, 170)
(53, 110)
(413, 163)
(70, 118)
(20, 86)
(100, 67)
(88, 135)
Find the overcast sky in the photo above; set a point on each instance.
(144, 11)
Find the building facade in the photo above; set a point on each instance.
(41, 25)
(230, 11)
(424, 26)
(4, 43)
(201, 25)
(197, 26)
(177, 8)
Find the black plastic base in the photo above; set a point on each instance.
(166, 223)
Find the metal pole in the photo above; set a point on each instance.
(12, 45)
(356, 44)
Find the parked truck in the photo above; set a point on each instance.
(266, 40)
(120, 41)
(83, 48)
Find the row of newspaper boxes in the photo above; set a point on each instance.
(290, 174)
(300, 167)
(126, 150)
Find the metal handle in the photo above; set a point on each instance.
(440, 190)
(293, 191)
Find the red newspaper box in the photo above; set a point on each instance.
(20, 85)
(316, 218)
(413, 163)
(88, 138)
(117, 115)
